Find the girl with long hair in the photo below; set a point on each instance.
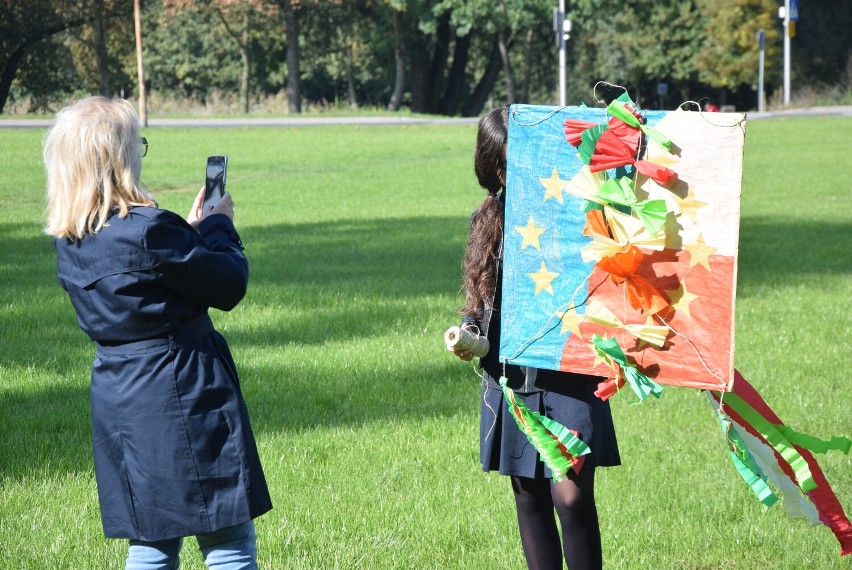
(565, 397)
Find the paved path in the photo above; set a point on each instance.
(295, 121)
(308, 121)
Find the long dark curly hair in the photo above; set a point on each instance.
(486, 231)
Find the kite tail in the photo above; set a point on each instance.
(560, 448)
(762, 446)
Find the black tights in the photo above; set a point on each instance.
(574, 501)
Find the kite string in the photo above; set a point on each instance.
(538, 122)
(595, 89)
(545, 329)
(695, 348)
(704, 115)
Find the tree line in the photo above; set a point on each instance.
(448, 57)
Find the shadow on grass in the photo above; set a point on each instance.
(347, 280)
(397, 257)
(341, 281)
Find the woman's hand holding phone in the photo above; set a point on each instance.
(196, 213)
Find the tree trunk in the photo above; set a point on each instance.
(455, 81)
(486, 83)
(100, 50)
(399, 54)
(291, 24)
(419, 52)
(528, 45)
(503, 47)
(427, 75)
(439, 61)
(350, 79)
(9, 71)
(246, 61)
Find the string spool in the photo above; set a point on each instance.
(458, 339)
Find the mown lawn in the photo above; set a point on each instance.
(367, 427)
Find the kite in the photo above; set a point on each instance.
(619, 260)
(637, 216)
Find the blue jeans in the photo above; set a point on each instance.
(232, 548)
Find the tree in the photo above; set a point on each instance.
(236, 18)
(729, 52)
(291, 29)
(399, 58)
(25, 25)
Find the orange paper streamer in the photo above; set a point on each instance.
(622, 268)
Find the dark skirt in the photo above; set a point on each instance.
(504, 448)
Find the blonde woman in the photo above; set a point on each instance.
(174, 451)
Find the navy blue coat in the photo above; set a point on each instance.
(173, 447)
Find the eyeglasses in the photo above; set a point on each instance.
(143, 146)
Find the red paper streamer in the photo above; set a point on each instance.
(823, 497)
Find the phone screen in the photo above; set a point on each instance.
(214, 186)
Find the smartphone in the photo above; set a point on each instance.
(214, 186)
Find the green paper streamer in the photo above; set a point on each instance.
(814, 444)
(588, 141)
(625, 98)
(775, 439)
(652, 213)
(657, 137)
(592, 206)
(639, 382)
(575, 446)
(619, 111)
(619, 191)
(746, 465)
(757, 485)
(545, 435)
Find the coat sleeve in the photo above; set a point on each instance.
(207, 267)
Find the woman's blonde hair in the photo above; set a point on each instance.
(93, 166)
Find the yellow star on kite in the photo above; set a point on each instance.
(542, 279)
(699, 253)
(690, 206)
(681, 298)
(531, 234)
(553, 186)
(570, 321)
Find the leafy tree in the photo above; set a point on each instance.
(729, 53)
(236, 18)
(25, 25)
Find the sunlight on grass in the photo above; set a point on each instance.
(367, 427)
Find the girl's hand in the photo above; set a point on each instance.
(462, 354)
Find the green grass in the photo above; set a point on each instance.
(367, 427)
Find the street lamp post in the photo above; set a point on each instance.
(761, 44)
(786, 52)
(561, 27)
(789, 12)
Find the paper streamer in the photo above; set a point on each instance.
(796, 462)
(560, 449)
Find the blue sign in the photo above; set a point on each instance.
(794, 10)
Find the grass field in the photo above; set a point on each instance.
(367, 427)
